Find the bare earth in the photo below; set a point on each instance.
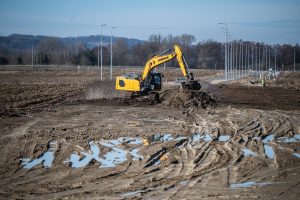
(57, 142)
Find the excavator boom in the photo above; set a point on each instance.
(156, 61)
(160, 59)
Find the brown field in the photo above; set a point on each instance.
(67, 135)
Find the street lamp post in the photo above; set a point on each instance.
(101, 71)
(32, 56)
(294, 58)
(111, 55)
(275, 59)
(231, 61)
(226, 51)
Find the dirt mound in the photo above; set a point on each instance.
(179, 98)
(102, 90)
(287, 80)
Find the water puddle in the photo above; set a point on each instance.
(157, 162)
(297, 155)
(132, 193)
(196, 137)
(248, 184)
(161, 137)
(224, 138)
(116, 153)
(269, 151)
(268, 139)
(121, 140)
(46, 159)
(248, 152)
(181, 138)
(184, 183)
(296, 138)
(110, 159)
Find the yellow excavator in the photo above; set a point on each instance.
(150, 82)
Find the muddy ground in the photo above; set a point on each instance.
(59, 141)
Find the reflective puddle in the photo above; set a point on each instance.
(296, 138)
(112, 158)
(45, 159)
(248, 152)
(269, 152)
(297, 155)
(116, 153)
(196, 137)
(132, 193)
(268, 139)
(248, 184)
(224, 138)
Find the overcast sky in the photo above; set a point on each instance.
(271, 21)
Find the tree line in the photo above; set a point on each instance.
(207, 54)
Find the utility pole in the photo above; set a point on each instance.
(232, 60)
(111, 53)
(248, 59)
(226, 51)
(294, 58)
(32, 56)
(269, 59)
(266, 58)
(252, 68)
(101, 71)
(236, 59)
(275, 60)
(164, 50)
(245, 61)
(259, 61)
(240, 60)
(256, 60)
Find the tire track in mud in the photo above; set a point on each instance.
(169, 169)
(212, 159)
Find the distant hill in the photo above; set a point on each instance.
(19, 41)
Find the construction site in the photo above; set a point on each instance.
(79, 138)
(155, 100)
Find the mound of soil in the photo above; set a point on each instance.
(179, 98)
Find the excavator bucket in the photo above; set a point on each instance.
(191, 85)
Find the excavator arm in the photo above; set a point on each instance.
(156, 61)
(160, 59)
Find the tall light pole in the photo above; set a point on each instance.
(259, 61)
(266, 58)
(270, 58)
(275, 59)
(164, 50)
(32, 56)
(111, 52)
(226, 51)
(294, 58)
(231, 61)
(252, 58)
(242, 59)
(101, 74)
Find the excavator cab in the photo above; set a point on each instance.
(154, 82)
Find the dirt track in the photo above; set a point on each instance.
(245, 148)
